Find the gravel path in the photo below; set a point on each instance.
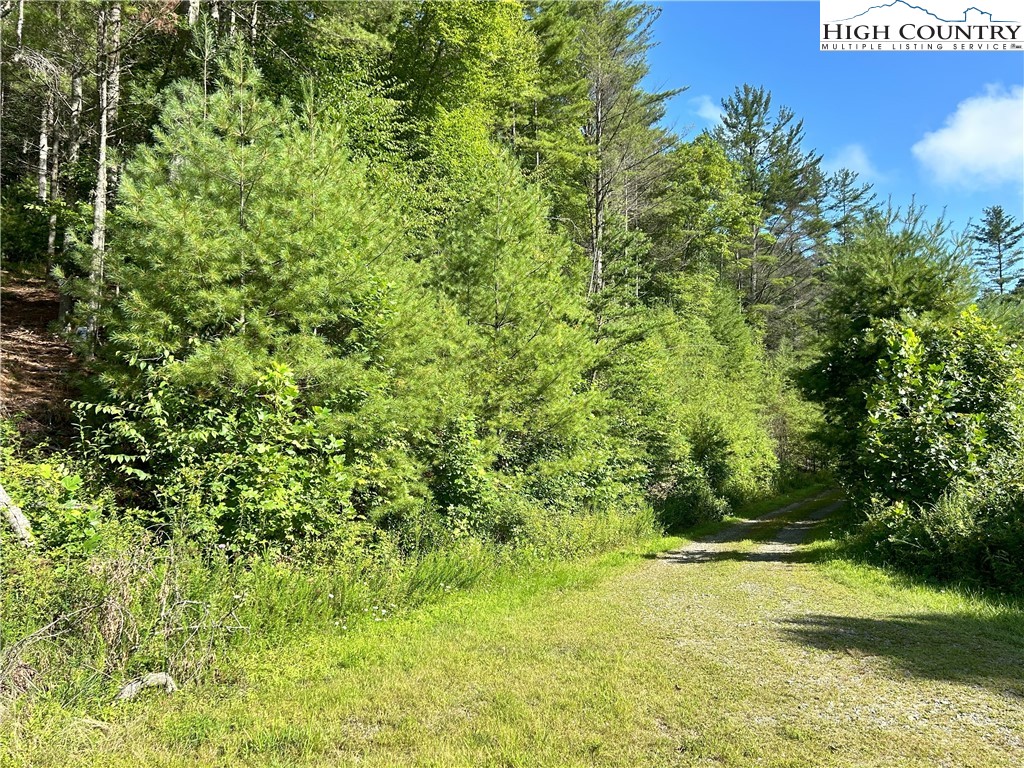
(723, 543)
(854, 673)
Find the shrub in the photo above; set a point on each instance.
(973, 533)
(946, 397)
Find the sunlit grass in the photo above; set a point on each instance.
(619, 660)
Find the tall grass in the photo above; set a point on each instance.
(77, 627)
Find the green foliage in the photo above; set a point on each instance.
(83, 615)
(67, 517)
(546, 134)
(252, 470)
(774, 265)
(999, 253)
(849, 203)
(471, 54)
(924, 400)
(972, 533)
(895, 266)
(347, 355)
(701, 213)
(248, 236)
(684, 398)
(24, 223)
(946, 397)
(511, 279)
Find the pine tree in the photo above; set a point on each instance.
(250, 235)
(622, 128)
(774, 270)
(512, 280)
(552, 148)
(849, 203)
(1000, 256)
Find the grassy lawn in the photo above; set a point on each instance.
(628, 659)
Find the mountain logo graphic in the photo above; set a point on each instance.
(904, 5)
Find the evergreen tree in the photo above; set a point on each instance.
(775, 267)
(1000, 257)
(895, 266)
(511, 278)
(551, 145)
(250, 235)
(849, 203)
(622, 128)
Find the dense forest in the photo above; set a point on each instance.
(366, 298)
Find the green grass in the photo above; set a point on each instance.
(618, 660)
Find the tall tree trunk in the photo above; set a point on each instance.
(252, 20)
(51, 240)
(75, 129)
(99, 218)
(193, 12)
(43, 165)
(108, 40)
(74, 134)
(114, 96)
(597, 214)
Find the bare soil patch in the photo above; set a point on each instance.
(35, 362)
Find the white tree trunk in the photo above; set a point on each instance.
(108, 53)
(43, 166)
(75, 132)
(99, 217)
(51, 241)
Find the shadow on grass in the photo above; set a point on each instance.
(964, 648)
(692, 556)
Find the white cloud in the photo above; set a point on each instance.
(981, 144)
(855, 158)
(706, 109)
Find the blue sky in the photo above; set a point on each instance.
(945, 127)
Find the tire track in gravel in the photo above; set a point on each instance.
(723, 543)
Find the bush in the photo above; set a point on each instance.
(946, 396)
(24, 222)
(253, 469)
(973, 533)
